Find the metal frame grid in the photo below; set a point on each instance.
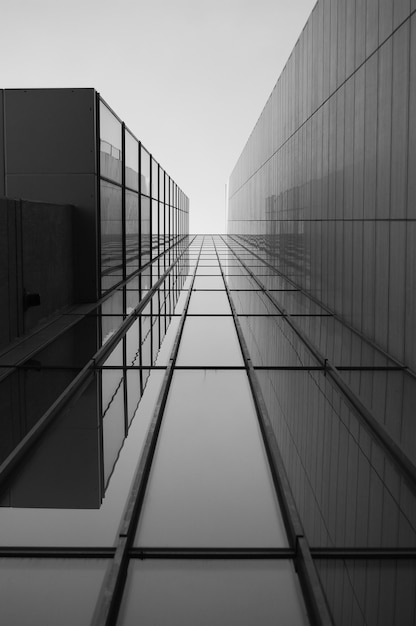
(304, 556)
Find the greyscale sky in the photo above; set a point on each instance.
(189, 77)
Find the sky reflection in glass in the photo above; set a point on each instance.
(210, 484)
(212, 592)
(209, 341)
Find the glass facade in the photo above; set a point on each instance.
(142, 210)
(321, 239)
(145, 468)
(227, 434)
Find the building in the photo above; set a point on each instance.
(258, 466)
(323, 196)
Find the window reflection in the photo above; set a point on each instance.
(111, 236)
(132, 232)
(193, 500)
(110, 144)
(242, 592)
(145, 171)
(132, 161)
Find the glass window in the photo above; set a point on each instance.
(113, 421)
(212, 592)
(161, 226)
(161, 184)
(110, 144)
(208, 271)
(62, 470)
(132, 161)
(132, 232)
(378, 590)
(145, 230)
(111, 235)
(209, 282)
(209, 341)
(145, 171)
(209, 302)
(210, 484)
(155, 179)
(49, 591)
(272, 342)
(62, 479)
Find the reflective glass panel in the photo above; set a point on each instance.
(132, 232)
(145, 171)
(111, 235)
(210, 484)
(110, 144)
(209, 341)
(56, 499)
(373, 592)
(212, 592)
(347, 490)
(208, 282)
(272, 342)
(207, 271)
(49, 591)
(145, 230)
(155, 179)
(63, 467)
(207, 302)
(132, 161)
(113, 426)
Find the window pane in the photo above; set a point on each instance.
(209, 282)
(132, 161)
(209, 302)
(111, 236)
(161, 184)
(155, 179)
(209, 341)
(199, 494)
(65, 471)
(155, 228)
(145, 171)
(212, 592)
(145, 229)
(132, 232)
(49, 591)
(379, 591)
(110, 144)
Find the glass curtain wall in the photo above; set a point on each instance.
(139, 204)
(322, 221)
(69, 448)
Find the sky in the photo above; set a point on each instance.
(188, 77)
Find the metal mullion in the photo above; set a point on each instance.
(313, 593)
(47, 552)
(108, 604)
(178, 367)
(211, 553)
(392, 449)
(363, 553)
